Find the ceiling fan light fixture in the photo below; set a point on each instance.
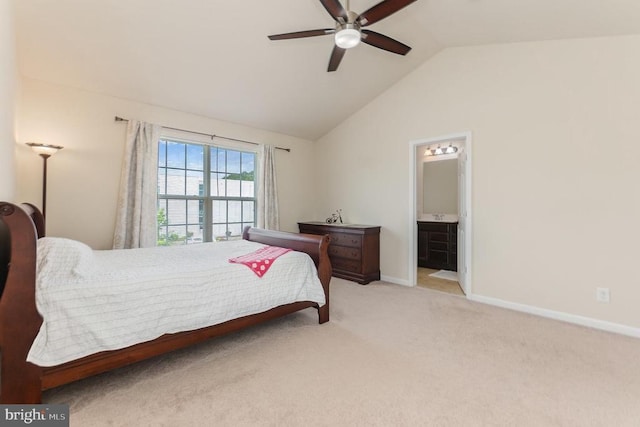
(348, 32)
(347, 38)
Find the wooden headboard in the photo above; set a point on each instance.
(5, 236)
(5, 254)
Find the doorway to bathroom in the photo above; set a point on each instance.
(440, 217)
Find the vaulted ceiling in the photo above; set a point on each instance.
(213, 57)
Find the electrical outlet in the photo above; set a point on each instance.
(602, 295)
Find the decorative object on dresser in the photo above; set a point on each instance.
(335, 217)
(354, 249)
(437, 245)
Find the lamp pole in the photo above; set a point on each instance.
(44, 184)
(45, 151)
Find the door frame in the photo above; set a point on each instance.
(414, 146)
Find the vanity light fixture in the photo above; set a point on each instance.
(451, 149)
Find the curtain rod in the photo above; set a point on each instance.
(120, 119)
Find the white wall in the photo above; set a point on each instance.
(8, 101)
(83, 178)
(555, 168)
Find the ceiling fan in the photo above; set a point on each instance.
(349, 29)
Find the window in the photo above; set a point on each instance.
(205, 193)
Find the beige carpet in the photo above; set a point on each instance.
(391, 356)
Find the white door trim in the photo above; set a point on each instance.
(413, 226)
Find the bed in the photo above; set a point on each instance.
(21, 321)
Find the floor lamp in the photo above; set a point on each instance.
(45, 151)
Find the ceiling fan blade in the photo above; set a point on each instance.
(336, 57)
(335, 9)
(300, 34)
(381, 11)
(383, 42)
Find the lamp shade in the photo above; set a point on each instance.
(347, 38)
(44, 149)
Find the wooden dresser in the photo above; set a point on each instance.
(354, 250)
(437, 245)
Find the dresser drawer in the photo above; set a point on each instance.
(441, 257)
(344, 252)
(351, 240)
(438, 237)
(438, 246)
(442, 227)
(343, 264)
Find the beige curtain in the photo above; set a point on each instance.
(268, 216)
(136, 212)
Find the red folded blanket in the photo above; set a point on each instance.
(261, 260)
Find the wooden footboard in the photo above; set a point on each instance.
(23, 382)
(318, 250)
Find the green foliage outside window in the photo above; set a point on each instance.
(170, 239)
(244, 176)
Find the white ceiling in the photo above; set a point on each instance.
(213, 58)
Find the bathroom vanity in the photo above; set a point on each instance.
(437, 244)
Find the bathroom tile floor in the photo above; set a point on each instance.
(442, 285)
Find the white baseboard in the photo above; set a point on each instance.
(395, 280)
(558, 315)
(543, 312)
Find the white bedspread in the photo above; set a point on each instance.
(93, 301)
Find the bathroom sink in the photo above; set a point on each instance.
(439, 218)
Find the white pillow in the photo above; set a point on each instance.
(63, 259)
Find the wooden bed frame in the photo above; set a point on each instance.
(23, 382)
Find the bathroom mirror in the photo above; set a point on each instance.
(440, 186)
